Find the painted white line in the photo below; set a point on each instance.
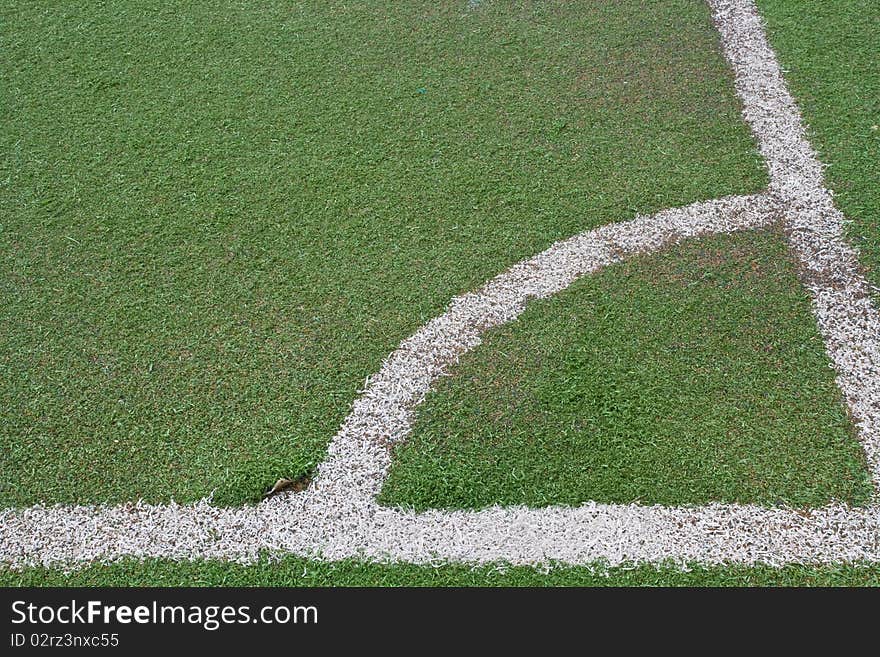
(338, 516)
(614, 534)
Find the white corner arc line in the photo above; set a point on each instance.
(338, 517)
(359, 455)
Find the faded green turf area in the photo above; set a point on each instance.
(292, 571)
(216, 217)
(690, 376)
(831, 55)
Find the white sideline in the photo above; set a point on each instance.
(337, 517)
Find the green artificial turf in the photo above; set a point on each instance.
(691, 376)
(830, 52)
(217, 218)
(294, 571)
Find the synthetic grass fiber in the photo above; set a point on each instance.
(217, 218)
(692, 376)
(823, 31)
